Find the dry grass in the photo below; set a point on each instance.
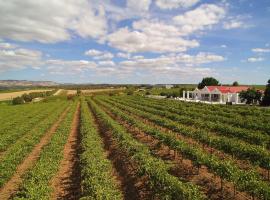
(11, 95)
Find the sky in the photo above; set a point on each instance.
(135, 41)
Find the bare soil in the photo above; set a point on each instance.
(13, 184)
(242, 164)
(133, 187)
(183, 168)
(67, 183)
(11, 95)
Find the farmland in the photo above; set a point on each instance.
(133, 147)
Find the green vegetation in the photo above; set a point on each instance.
(244, 180)
(251, 96)
(36, 184)
(18, 100)
(164, 184)
(97, 181)
(208, 81)
(159, 148)
(23, 142)
(266, 98)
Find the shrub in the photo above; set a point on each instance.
(17, 101)
(27, 97)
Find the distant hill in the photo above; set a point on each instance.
(25, 83)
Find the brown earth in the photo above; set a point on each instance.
(13, 184)
(242, 164)
(11, 95)
(66, 184)
(183, 168)
(133, 187)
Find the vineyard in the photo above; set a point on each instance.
(133, 147)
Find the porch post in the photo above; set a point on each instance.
(187, 94)
(236, 98)
(184, 94)
(210, 97)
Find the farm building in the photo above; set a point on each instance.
(218, 94)
(168, 86)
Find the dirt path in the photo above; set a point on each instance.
(184, 168)
(13, 184)
(67, 183)
(132, 186)
(242, 164)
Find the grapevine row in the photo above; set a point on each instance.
(17, 152)
(195, 112)
(13, 133)
(97, 182)
(252, 137)
(166, 185)
(256, 154)
(248, 181)
(37, 182)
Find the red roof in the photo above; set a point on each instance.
(228, 89)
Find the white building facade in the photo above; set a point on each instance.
(215, 94)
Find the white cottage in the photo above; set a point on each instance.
(219, 94)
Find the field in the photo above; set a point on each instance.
(9, 95)
(133, 147)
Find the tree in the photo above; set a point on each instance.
(207, 81)
(266, 98)
(17, 101)
(27, 97)
(251, 96)
(79, 92)
(235, 83)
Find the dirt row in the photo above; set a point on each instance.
(67, 183)
(242, 164)
(13, 184)
(183, 168)
(125, 171)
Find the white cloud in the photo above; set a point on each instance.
(205, 16)
(223, 46)
(156, 28)
(50, 21)
(104, 56)
(260, 50)
(5, 45)
(171, 65)
(138, 57)
(136, 41)
(139, 5)
(173, 60)
(68, 67)
(239, 21)
(99, 55)
(107, 63)
(253, 59)
(17, 59)
(234, 23)
(123, 55)
(93, 52)
(172, 4)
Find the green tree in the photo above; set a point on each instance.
(17, 101)
(251, 96)
(79, 92)
(266, 98)
(207, 81)
(27, 97)
(235, 83)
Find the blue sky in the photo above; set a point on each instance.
(135, 41)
